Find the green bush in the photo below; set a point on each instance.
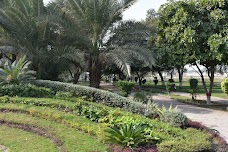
(124, 87)
(24, 90)
(63, 95)
(95, 95)
(195, 141)
(141, 97)
(170, 87)
(193, 83)
(224, 86)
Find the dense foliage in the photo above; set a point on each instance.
(224, 86)
(124, 87)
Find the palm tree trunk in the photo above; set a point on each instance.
(95, 67)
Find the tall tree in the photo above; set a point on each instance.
(27, 24)
(98, 17)
(197, 29)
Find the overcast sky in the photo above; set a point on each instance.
(139, 9)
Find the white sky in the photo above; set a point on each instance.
(139, 9)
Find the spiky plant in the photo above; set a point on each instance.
(16, 72)
(127, 135)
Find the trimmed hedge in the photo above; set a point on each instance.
(24, 90)
(95, 95)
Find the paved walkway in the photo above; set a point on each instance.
(213, 119)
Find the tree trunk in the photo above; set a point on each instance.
(76, 76)
(211, 75)
(14, 57)
(95, 67)
(161, 77)
(180, 74)
(208, 93)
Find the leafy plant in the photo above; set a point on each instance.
(141, 97)
(124, 87)
(170, 87)
(224, 86)
(17, 71)
(128, 135)
(152, 110)
(172, 116)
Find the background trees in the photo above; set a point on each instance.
(195, 31)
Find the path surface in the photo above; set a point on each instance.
(213, 119)
(3, 148)
(203, 97)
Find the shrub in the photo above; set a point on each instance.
(195, 141)
(155, 80)
(224, 86)
(95, 95)
(63, 95)
(124, 87)
(193, 86)
(171, 80)
(24, 90)
(141, 97)
(170, 87)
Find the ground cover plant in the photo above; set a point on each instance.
(63, 112)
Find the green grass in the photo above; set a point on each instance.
(199, 103)
(217, 92)
(21, 141)
(60, 123)
(73, 139)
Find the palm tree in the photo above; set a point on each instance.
(26, 22)
(95, 19)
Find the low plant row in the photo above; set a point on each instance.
(71, 120)
(152, 131)
(95, 95)
(24, 90)
(72, 139)
(130, 130)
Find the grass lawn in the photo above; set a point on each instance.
(60, 124)
(17, 140)
(217, 92)
(199, 103)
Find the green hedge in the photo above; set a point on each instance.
(96, 95)
(195, 142)
(24, 90)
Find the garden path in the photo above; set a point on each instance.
(213, 119)
(3, 148)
